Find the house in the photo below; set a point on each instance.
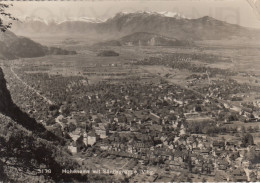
(72, 120)
(178, 156)
(104, 146)
(85, 138)
(239, 175)
(73, 148)
(156, 127)
(174, 164)
(92, 138)
(134, 129)
(222, 165)
(231, 144)
(102, 132)
(205, 151)
(218, 144)
(75, 134)
(166, 155)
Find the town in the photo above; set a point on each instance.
(152, 124)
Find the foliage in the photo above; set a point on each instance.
(4, 26)
(26, 153)
(108, 53)
(247, 140)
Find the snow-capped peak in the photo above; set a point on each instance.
(33, 19)
(173, 15)
(82, 19)
(38, 19)
(56, 20)
(59, 21)
(91, 20)
(164, 14)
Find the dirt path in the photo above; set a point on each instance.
(31, 88)
(58, 118)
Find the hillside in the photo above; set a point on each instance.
(122, 24)
(144, 39)
(12, 46)
(8, 108)
(108, 53)
(23, 153)
(24, 143)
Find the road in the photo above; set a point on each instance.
(125, 165)
(58, 118)
(31, 88)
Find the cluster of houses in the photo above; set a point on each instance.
(154, 132)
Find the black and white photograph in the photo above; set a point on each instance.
(129, 91)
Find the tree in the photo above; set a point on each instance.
(71, 127)
(198, 108)
(250, 129)
(189, 161)
(4, 26)
(256, 128)
(247, 140)
(253, 177)
(243, 129)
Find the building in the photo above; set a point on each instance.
(92, 138)
(85, 138)
(73, 148)
(75, 134)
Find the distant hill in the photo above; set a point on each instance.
(4, 52)
(108, 53)
(144, 39)
(122, 24)
(12, 46)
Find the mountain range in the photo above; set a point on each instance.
(95, 20)
(123, 23)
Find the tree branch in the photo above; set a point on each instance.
(4, 27)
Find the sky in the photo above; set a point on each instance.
(233, 11)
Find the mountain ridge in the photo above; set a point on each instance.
(96, 20)
(12, 47)
(122, 24)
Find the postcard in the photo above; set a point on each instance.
(130, 91)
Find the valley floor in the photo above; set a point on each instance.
(152, 113)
